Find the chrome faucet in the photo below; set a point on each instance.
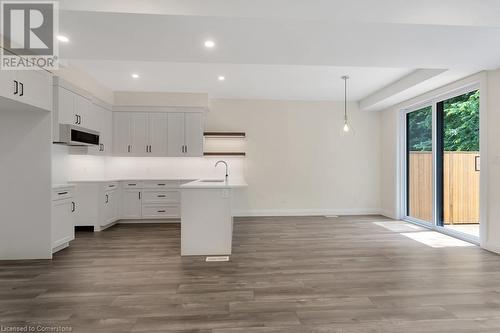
(225, 163)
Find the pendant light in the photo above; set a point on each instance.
(347, 129)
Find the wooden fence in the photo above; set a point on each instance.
(461, 187)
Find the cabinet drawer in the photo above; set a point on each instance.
(62, 193)
(161, 211)
(132, 184)
(172, 196)
(159, 184)
(110, 186)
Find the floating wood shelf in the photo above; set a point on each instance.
(226, 153)
(225, 134)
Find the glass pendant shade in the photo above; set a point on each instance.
(347, 129)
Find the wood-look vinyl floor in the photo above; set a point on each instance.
(289, 274)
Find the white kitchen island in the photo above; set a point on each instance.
(206, 216)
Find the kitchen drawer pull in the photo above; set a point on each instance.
(161, 196)
(111, 185)
(132, 184)
(62, 193)
(161, 211)
(162, 184)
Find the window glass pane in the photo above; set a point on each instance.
(419, 164)
(461, 165)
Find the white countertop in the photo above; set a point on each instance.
(127, 180)
(215, 184)
(59, 186)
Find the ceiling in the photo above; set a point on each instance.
(278, 49)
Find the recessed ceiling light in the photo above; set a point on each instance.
(62, 38)
(221, 78)
(209, 44)
(135, 75)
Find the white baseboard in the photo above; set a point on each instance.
(389, 214)
(305, 212)
(491, 247)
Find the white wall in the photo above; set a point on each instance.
(297, 163)
(492, 239)
(25, 176)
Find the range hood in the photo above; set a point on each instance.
(72, 135)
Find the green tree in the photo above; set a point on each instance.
(420, 130)
(461, 125)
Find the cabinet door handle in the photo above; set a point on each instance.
(186, 148)
(73, 206)
(128, 148)
(107, 198)
(22, 89)
(16, 87)
(139, 195)
(103, 147)
(76, 119)
(79, 120)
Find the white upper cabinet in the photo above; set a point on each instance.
(35, 88)
(32, 87)
(185, 134)
(175, 134)
(193, 134)
(86, 111)
(104, 125)
(157, 134)
(65, 106)
(122, 133)
(73, 106)
(140, 144)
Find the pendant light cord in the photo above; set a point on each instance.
(345, 77)
(345, 98)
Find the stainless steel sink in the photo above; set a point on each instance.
(212, 181)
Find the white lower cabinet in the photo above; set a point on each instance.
(131, 204)
(63, 218)
(110, 207)
(161, 211)
(101, 204)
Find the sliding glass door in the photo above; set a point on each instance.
(458, 162)
(443, 164)
(419, 165)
